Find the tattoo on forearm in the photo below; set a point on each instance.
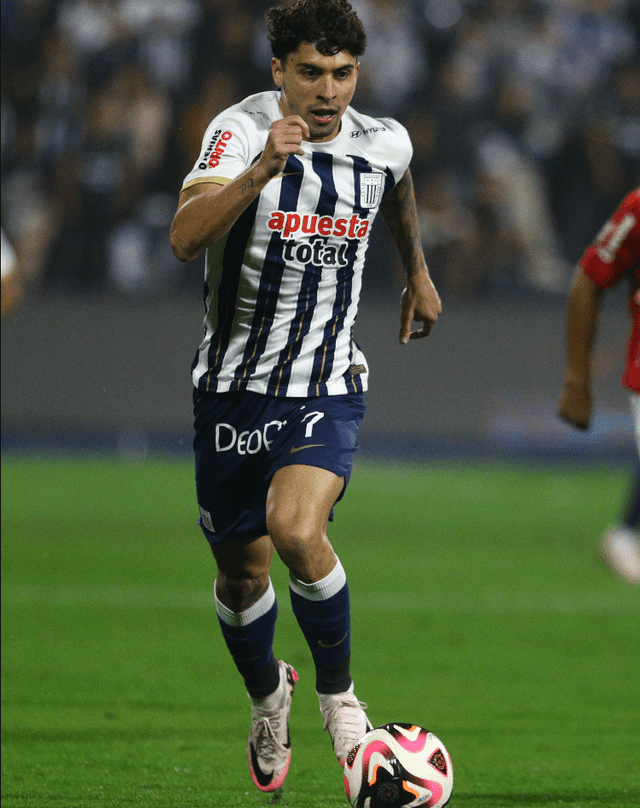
(401, 217)
(247, 186)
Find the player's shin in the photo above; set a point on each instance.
(249, 638)
(323, 612)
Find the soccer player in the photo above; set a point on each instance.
(282, 197)
(614, 255)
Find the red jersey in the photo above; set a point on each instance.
(616, 252)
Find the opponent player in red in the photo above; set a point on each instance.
(614, 255)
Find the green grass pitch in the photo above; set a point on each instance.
(480, 610)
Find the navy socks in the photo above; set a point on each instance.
(249, 637)
(322, 610)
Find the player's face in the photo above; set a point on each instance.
(317, 88)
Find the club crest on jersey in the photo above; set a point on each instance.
(370, 190)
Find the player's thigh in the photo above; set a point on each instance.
(320, 434)
(311, 462)
(232, 464)
(299, 502)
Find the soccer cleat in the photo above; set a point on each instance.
(620, 550)
(269, 747)
(346, 720)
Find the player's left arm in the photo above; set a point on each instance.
(580, 336)
(420, 300)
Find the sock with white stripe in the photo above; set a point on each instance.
(322, 610)
(249, 638)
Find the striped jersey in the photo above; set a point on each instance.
(282, 286)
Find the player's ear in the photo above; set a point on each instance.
(277, 69)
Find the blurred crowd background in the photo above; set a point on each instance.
(524, 114)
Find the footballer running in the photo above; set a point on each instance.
(281, 199)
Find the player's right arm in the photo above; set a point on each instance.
(581, 328)
(208, 210)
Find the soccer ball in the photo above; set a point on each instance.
(398, 766)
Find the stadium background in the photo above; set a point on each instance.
(525, 117)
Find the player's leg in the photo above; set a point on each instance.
(299, 503)
(631, 513)
(247, 610)
(634, 401)
(620, 546)
(231, 491)
(232, 460)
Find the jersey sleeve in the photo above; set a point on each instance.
(616, 250)
(224, 154)
(400, 150)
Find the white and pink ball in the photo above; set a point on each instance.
(399, 766)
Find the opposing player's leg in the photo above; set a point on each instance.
(247, 610)
(299, 504)
(620, 545)
(631, 513)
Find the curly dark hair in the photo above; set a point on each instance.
(331, 25)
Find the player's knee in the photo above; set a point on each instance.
(292, 533)
(302, 546)
(239, 593)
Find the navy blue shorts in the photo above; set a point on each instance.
(242, 439)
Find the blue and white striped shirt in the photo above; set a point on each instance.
(282, 287)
